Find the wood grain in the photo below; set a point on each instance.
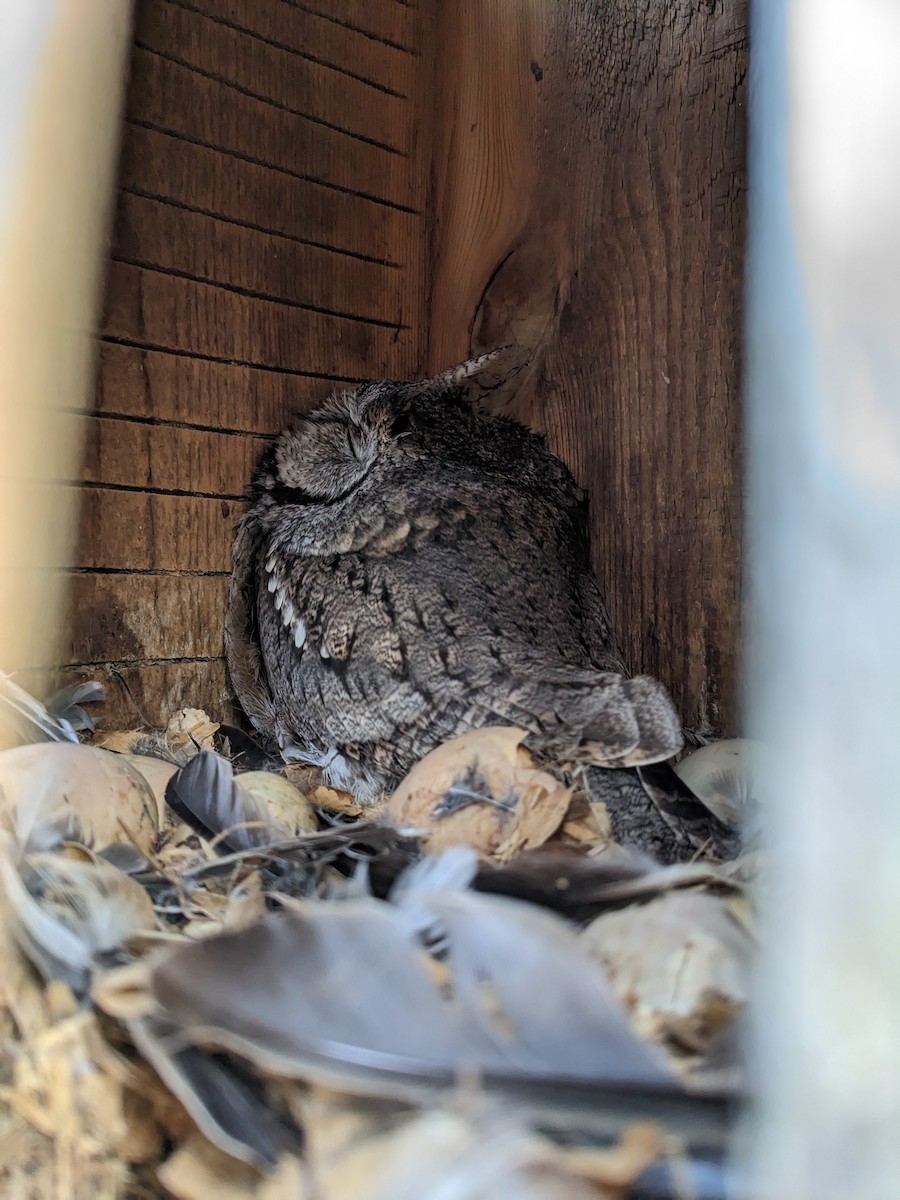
(313, 36)
(140, 617)
(273, 267)
(149, 693)
(162, 165)
(168, 458)
(160, 386)
(389, 22)
(140, 531)
(272, 73)
(486, 181)
(267, 250)
(161, 310)
(175, 99)
(607, 154)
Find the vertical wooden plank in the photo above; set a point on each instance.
(824, 530)
(589, 192)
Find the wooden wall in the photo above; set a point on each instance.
(268, 246)
(323, 191)
(590, 189)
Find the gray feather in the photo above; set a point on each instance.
(410, 568)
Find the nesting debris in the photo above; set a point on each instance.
(189, 731)
(225, 982)
(681, 966)
(57, 722)
(482, 789)
(470, 1150)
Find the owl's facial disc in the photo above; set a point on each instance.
(329, 453)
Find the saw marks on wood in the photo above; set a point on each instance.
(268, 248)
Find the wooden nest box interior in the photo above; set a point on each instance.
(315, 193)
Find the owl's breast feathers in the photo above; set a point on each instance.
(445, 609)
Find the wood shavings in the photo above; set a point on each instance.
(68, 1086)
(118, 741)
(470, 1151)
(21, 997)
(308, 779)
(304, 776)
(189, 731)
(124, 992)
(586, 823)
(199, 1171)
(343, 803)
(482, 790)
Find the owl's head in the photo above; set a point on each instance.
(328, 453)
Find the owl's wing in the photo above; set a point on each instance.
(448, 621)
(242, 642)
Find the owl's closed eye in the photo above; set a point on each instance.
(411, 567)
(327, 454)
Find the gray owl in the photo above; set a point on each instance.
(410, 568)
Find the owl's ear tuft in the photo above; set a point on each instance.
(487, 382)
(470, 371)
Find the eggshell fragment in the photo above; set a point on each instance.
(680, 964)
(92, 794)
(730, 777)
(484, 790)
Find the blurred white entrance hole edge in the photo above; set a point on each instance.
(822, 662)
(62, 67)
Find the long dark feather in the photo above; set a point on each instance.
(206, 796)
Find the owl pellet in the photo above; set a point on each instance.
(483, 790)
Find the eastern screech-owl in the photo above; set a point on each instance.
(410, 568)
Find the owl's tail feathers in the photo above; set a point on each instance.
(628, 723)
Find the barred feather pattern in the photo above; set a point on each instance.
(410, 568)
